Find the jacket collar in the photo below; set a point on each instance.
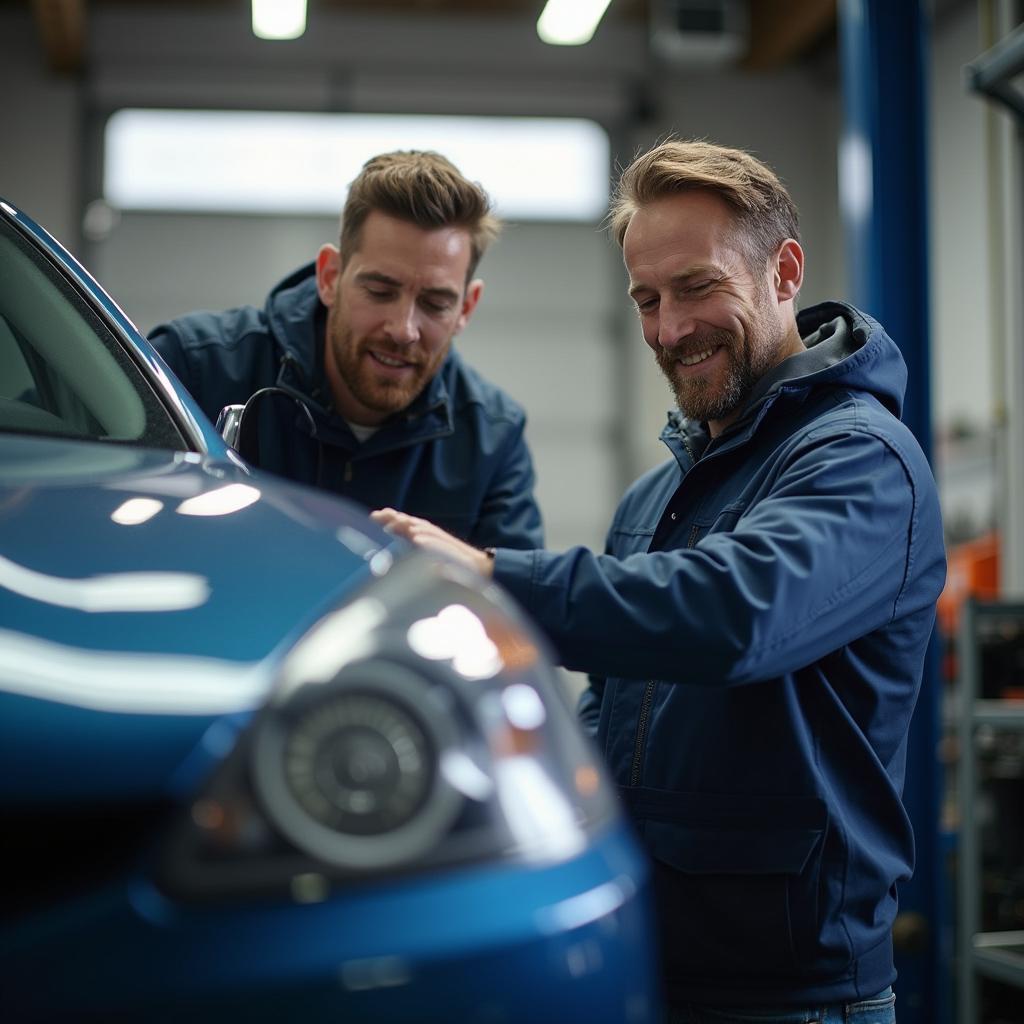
(844, 348)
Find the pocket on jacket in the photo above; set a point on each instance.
(726, 520)
(735, 900)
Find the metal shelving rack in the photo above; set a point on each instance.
(996, 955)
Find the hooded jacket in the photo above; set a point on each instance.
(757, 630)
(457, 455)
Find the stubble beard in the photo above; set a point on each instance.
(356, 370)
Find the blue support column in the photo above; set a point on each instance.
(883, 194)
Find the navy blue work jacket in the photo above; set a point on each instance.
(457, 455)
(756, 631)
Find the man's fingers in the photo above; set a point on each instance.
(425, 534)
(392, 521)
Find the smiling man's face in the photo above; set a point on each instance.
(712, 321)
(393, 308)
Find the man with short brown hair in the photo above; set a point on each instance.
(757, 626)
(362, 338)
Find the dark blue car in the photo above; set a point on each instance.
(258, 759)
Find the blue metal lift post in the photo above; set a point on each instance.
(883, 194)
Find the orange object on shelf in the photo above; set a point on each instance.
(972, 571)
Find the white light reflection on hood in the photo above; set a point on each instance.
(221, 502)
(140, 684)
(456, 634)
(136, 511)
(113, 592)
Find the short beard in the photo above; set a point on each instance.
(380, 397)
(705, 400)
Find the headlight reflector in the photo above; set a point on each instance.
(350, 771)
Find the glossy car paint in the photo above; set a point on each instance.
(245, 584)
(133, 657)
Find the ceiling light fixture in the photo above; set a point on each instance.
(278, 19)
(570, 22)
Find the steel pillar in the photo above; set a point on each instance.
(883, 196)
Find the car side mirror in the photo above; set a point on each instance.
(242, 425)
(228, 421)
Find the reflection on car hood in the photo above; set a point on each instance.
(157, 584)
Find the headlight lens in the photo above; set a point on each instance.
(418, 726)
(350, 773)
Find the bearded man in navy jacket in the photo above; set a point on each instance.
(756, 629)
(362, 340)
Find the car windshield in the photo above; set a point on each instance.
(62, 371)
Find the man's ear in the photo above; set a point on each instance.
(474, 290)
(328, 270)
(789, 270)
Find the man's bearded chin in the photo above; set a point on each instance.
(702, 398)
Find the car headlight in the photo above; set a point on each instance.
(350, 772)
(418, 726)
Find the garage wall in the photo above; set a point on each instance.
(40, 165)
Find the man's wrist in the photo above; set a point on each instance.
(488, 562)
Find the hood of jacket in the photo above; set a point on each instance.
(845, 348)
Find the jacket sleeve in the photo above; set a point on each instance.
(509, 515)
(831, 551)
(588, 707)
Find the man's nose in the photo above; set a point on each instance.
(402, 326)
(675, 324)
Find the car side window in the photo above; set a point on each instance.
(62, 372)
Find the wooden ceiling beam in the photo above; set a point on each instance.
(783, 30)
(61, 25)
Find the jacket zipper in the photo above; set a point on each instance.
(648, 700)
(641, 733)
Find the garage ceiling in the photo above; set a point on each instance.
(781, 30)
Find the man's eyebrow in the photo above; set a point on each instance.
(376, 277)
(441, 292)
(685, 277)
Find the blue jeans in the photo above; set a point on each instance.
(880, 1009)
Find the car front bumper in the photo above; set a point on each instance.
(509, 942)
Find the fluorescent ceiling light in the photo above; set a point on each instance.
(570, 22)
(278, 19)
(221, 161)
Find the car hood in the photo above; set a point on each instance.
(151, 589)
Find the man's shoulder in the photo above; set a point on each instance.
(227, 328)
(851, 410)
(469, 390)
